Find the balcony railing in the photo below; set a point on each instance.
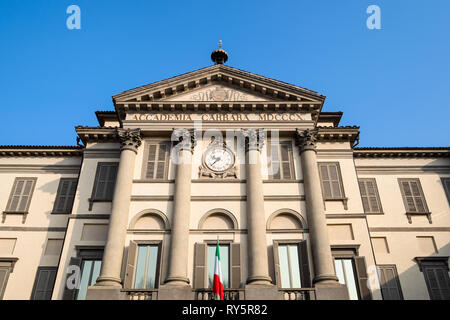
(228, 294)
(141, 294)
(298, 294)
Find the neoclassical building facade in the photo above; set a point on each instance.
(301, 213)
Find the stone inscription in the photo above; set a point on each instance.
(217, 117)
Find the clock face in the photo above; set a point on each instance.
(219, 159)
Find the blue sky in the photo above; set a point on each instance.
(392, 82)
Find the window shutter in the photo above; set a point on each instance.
(438, 282)
(364, 197)
(21, 192)
(43, 286)
(157, 161)
(443, 281)
(4, 274)
(162, 161)
(331, 180)
(150, 174)
(200, 266)
(446, 184)
(369, 195)
(235, 265)
(65, 196)
(131, 265)
(304, 264)
(276, 259)
(390, 284)
(105, 180)
(286, 151)
(334, 179)
(69, 294)
(273, 156)
(413, 196)
(361, 272)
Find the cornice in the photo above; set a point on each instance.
(347, 133)
(97, 134)
(40, 151)
(408, 152)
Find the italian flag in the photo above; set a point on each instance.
(217, 281)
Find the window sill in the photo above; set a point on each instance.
(374, 213)
(410, 214)
(59, 213)
(23, 213)
(343, 200)
(153, 181)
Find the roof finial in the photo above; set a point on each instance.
(219, 56)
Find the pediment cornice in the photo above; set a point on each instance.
(270, 89)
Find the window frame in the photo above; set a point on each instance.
(305, 280)
(157, 243)
(221, 243)
(55, 205)
(280, 161)
(377, 195)
(408, 213)
(146, 159)
(6, 264)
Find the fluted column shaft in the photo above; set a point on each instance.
(258, 267)
(320, 243)
(179, 244)
(113, 253)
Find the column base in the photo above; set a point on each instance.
(109, 282)
(175, 292)
(328, 291)
(262, 292)
(326, 279)
(177, 281)
(105, 293)
(259, 280)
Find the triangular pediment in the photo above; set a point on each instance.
(219, 83)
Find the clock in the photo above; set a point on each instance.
(219, 159)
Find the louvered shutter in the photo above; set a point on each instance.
(45, 280)
(200, 266)
(273, 156)
(286, 165)
(235, 265)
(304, 264)
(21, 192)
(413, 196)
(438, 282)
(361, 271)
(326, 183)
(131, 265)
(65, 196)
(390, 284)
(369, 195)
(276, 261)
(446, 184)
(105, 181)
(157, 161)
(331, 180)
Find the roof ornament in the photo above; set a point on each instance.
(219, 56)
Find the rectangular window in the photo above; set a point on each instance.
(90, 270)
(224, 264)
(390, 284)
(280, 160)
(65, 196)
(345, 271)
(20, 197)
(156, 165)
(289, 266)
(43, 285)
(330, 176)
(105, 180)
(435, 271)
(370, 197)
(446, 184)
(147, 267)
(413, 197)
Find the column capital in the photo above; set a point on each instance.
(306, 139)
(186, 138)
(130, 139)
(254, 139)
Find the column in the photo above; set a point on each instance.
(179, 244)
(320, 243)
(258, 268)
(130, 141)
